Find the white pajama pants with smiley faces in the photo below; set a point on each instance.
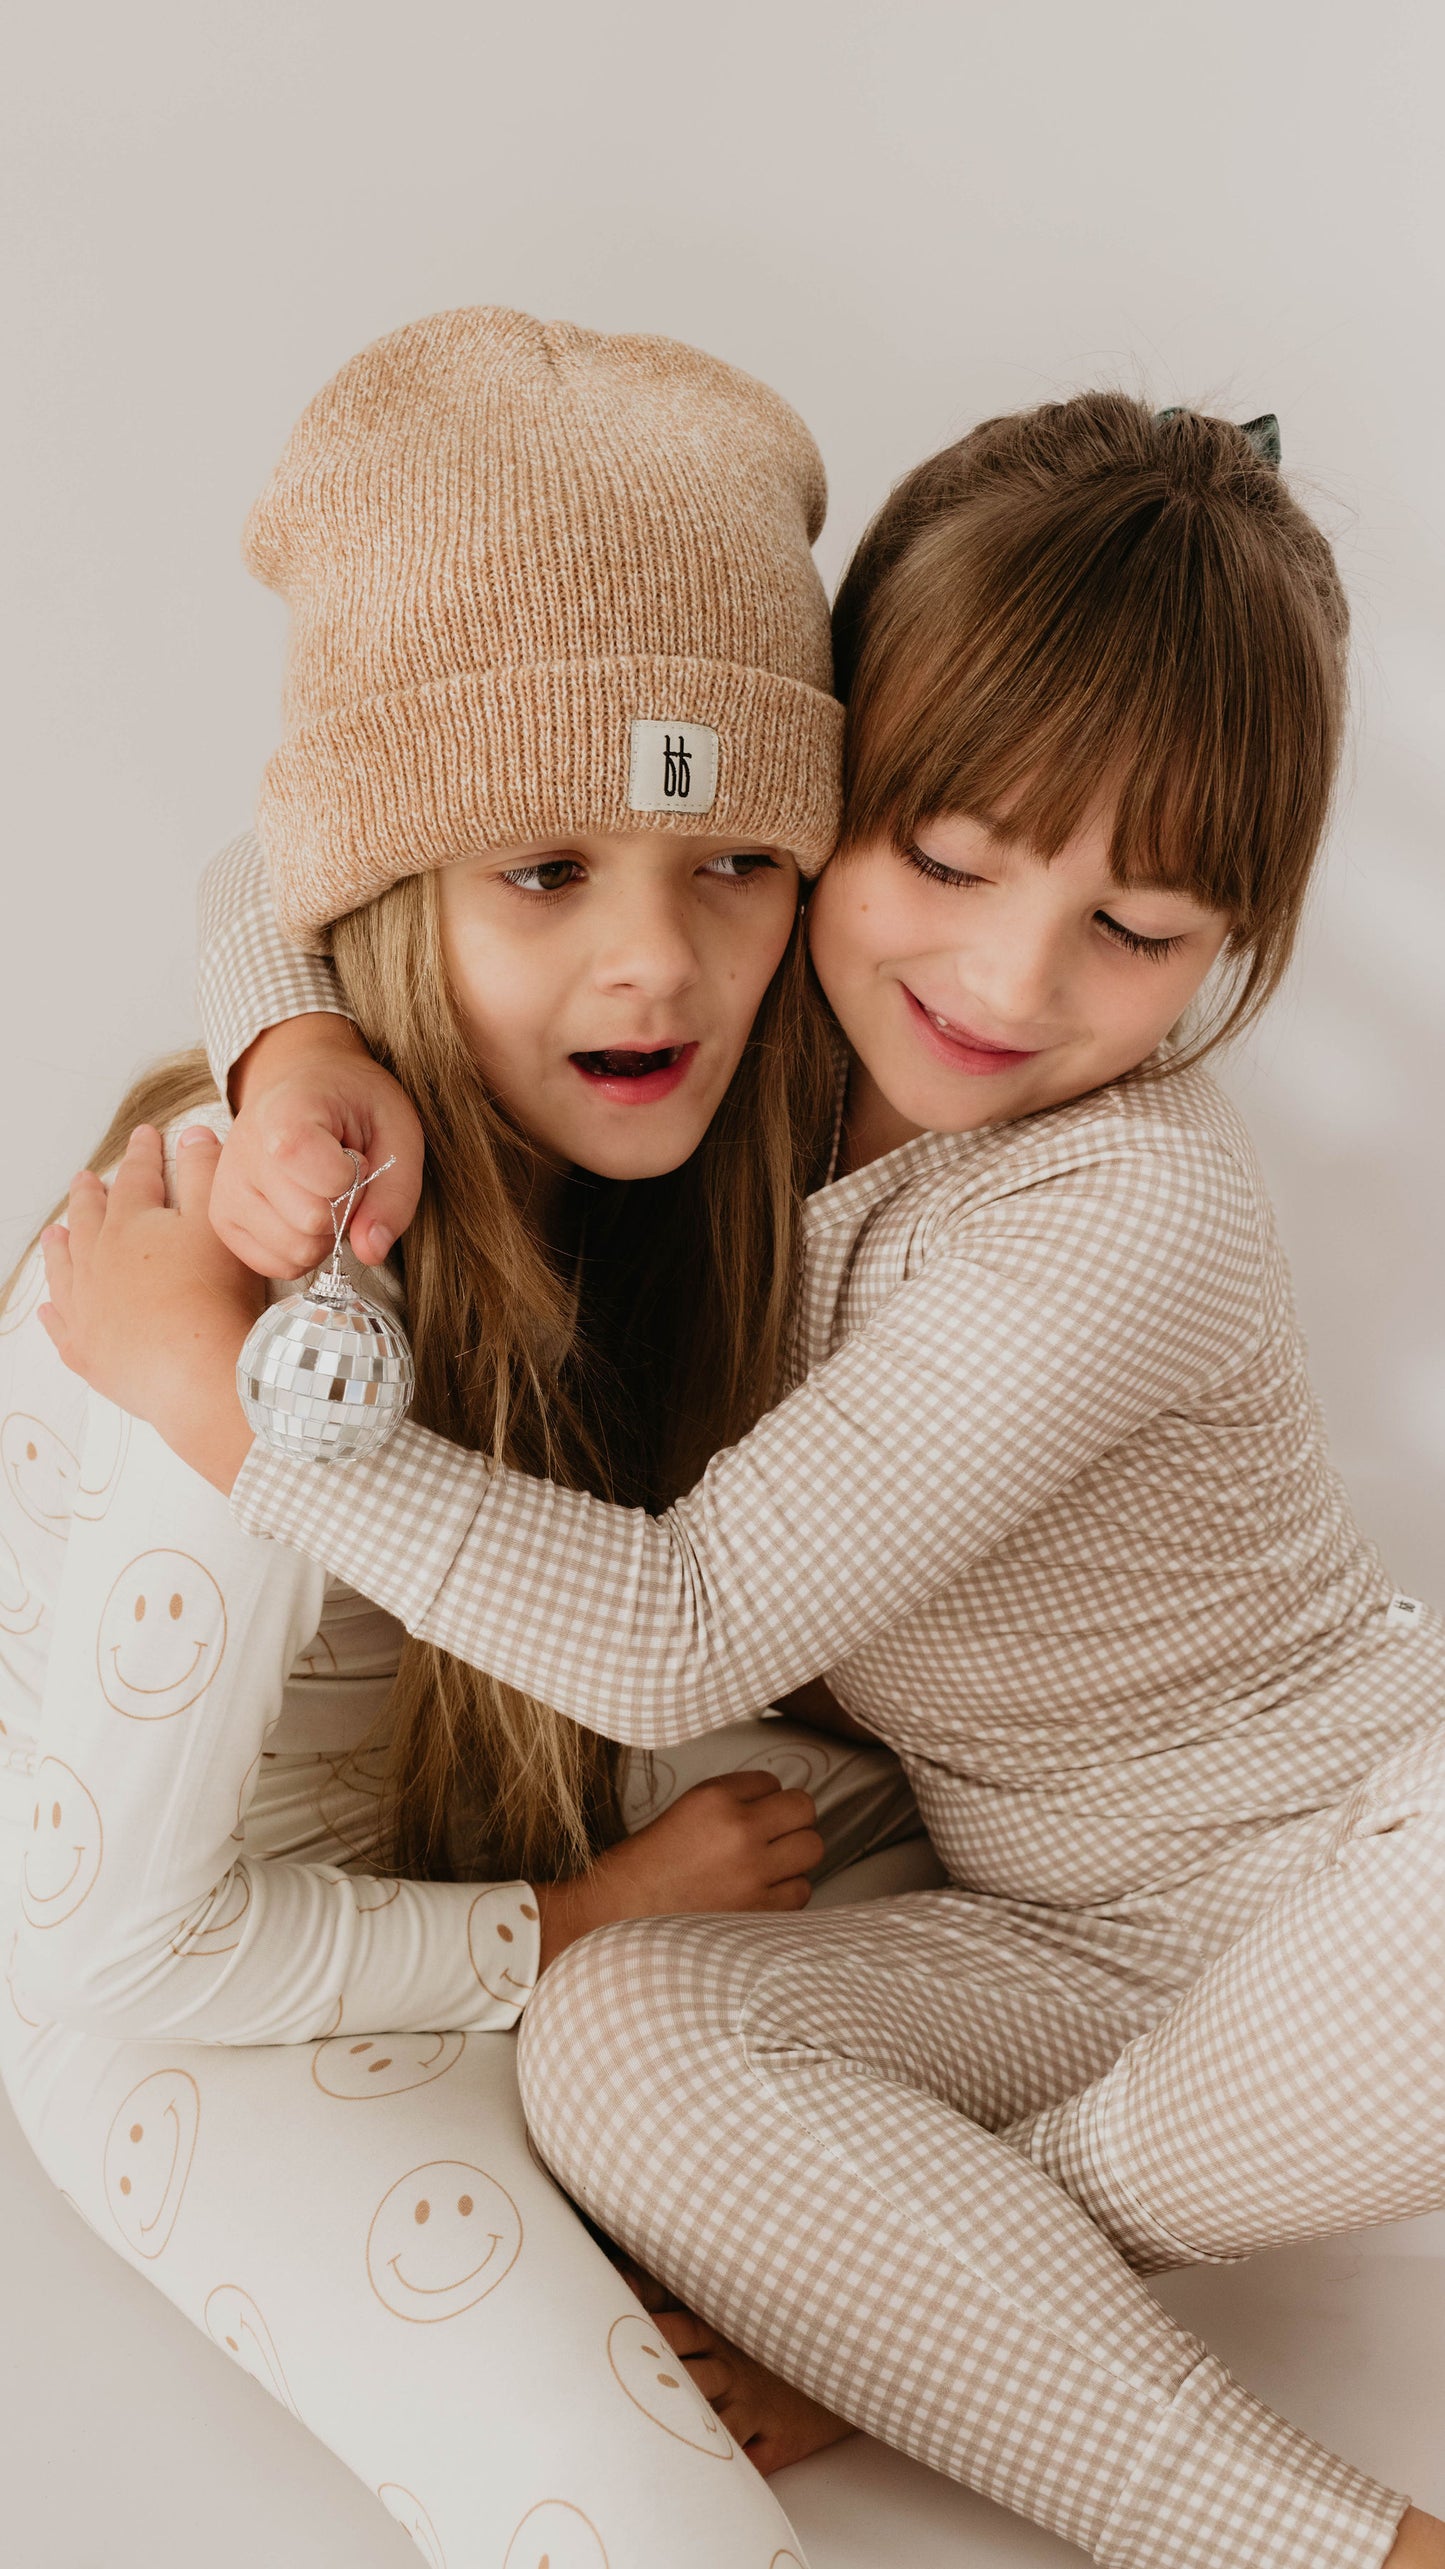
(385, 2257)
(283, 2087)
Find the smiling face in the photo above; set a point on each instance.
(162, 1635)
(40, 1469)
(443, 2238)
(555, 2535)
(608, 985)
(64, 1847)
(502, 1932)
(657, 2382)
(21, 1606)
(412, 2516)
(148, 2154)
(357, 2066)
(977, 983)
(237, 2325)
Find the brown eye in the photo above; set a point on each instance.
(140, 1610)
(177, 1609)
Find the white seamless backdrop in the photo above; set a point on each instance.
(904, 217)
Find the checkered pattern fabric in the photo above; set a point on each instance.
(250, 977)
(1050, 1504)
(835, 2136)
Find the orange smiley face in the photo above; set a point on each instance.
(66, 1843)
(356, 2067)
(162, 1636)
(40, 1470)
(502, 1941)
(236, 2324)
(412, 2516)
(657, 2382)
(21, 1606)
(148, 2154)
(107, 1441)
(442, 2238)
(555, 2535)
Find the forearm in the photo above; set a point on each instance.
(143, 1914)
(250, 977)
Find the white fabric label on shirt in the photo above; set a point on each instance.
(1403, 1612)
(673, 768)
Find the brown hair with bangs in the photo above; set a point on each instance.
(1086, 606)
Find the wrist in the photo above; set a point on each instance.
(320, 1034)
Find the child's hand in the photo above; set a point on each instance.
(306, 1093)
(734, 1842)
(148, 1307)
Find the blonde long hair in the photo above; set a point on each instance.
(620, 1374)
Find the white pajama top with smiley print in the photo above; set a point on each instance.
(190, 1764)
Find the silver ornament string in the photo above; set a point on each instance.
(329, 1284)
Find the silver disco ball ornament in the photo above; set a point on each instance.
(326, 1374)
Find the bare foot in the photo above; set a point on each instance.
(773, 2423)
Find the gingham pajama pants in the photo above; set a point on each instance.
(915, 2155)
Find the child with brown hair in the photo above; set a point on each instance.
(1047, 1504)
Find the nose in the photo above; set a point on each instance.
(646, 944)
(1012, 972)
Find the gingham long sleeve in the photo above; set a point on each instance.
(1047, 1306)
(250, 976)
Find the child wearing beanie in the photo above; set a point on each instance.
(277, 1881)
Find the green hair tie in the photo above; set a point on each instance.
(1263, 433)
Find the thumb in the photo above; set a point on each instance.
(386, 1207)
(198, 1154)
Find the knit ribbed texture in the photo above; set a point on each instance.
(502, 542)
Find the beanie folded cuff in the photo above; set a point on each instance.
(406, 782)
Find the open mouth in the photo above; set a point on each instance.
(636, 1077)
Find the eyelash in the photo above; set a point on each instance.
(537, 893)
(1155, 947)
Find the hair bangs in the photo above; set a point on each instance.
(1086, 613)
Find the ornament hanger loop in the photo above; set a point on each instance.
(346, 1201)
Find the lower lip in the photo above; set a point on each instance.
(981, 1061)
(647, 1090)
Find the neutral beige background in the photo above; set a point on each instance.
(904, 216)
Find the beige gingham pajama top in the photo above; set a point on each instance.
(1048, 1501)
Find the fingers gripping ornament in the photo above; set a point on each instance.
(327, 1374)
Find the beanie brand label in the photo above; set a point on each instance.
(673, 767)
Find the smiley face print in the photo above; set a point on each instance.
(21, 1606)
(162, 1636)
(412, 2516)
(657, 2382)
(11, 1991)
(217, 1923)
(357, 2066)
(40, 1471)
(237, 2326)
(443, 2238)
(64, 1848)
(502, 1941)
(107, 1439)
(148, 2154)
(555, 2535)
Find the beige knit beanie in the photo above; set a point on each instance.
(540, 580)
